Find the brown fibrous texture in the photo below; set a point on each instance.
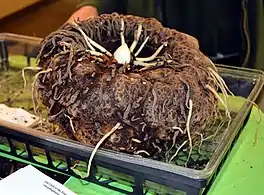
(87, 97)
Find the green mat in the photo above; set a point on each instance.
(243, 170)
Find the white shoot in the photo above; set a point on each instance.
(122, 32)
(122, 55)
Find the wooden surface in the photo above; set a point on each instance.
(9, 7)
(40, 19)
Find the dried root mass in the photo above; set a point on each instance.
(112, 69)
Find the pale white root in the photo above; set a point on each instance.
(202, 140)
(136, 38)
(149, 65)
(71, 123)
(220, 99)
(223, 90)
(94, 53)
(178, 128)
(136, 140)
(178, 150)
(23, 74)
(82, 175)
(140, 63)
(210, 61)
(222, 123)
(176, 133)
(188, 129)
(100, 47)
(34, 87)
(142, 46)
(91, 43)
(141, 151)
(116, 127)
(84, 36)
(154, 55)
(221, 83)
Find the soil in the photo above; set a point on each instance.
(87, 95)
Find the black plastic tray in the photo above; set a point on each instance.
(143, 175)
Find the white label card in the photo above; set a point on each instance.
(30, 181)
(18, 116)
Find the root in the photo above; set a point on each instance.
(138, 63)
(91, 43)
(154, 55)
(188, 130)
(76, 171)
(210, 61)
(84, 36)
(154, 104)
(71, 123)
(141, 151)
(94, 53)
(156, 147)
(136, 140)
(98, 46)
(178, 128)
(136, 38)
(142, 46)
(202, 140)
(222, 123)
(187, 93)
(126, 113)
(23, 74)
(69, 65)
(176, 133)
(56, 94)
(90, 35)
(220, 99)
(259, 110)
(116, 127)
(178, 150)
(34, 95)
(221, 82)
(147, 65)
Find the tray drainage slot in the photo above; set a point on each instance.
(4, 145)
(115, 179)
(154, 188)
(58, 161)
(20, 148)
(39, 154)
